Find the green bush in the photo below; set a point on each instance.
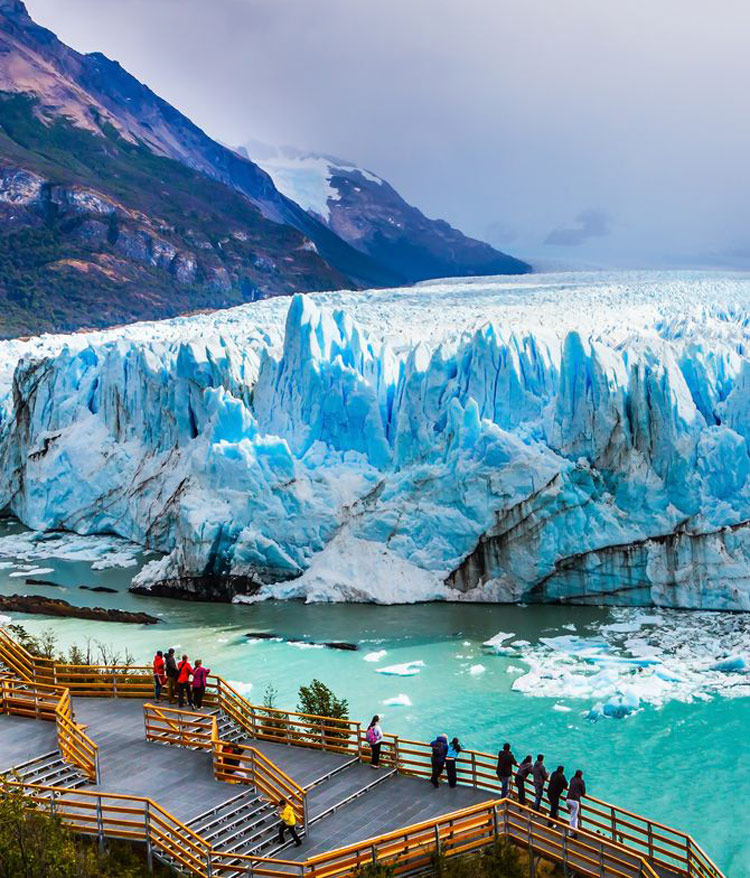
(502, 860)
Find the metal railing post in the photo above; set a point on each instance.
(473, 768)
(114, 684)
(305, 816)
(100, 823)
(650, 840)
(147, 829)
(396, 754)
(437, 839)
(209, 865)
(495, 823)
(97, 770)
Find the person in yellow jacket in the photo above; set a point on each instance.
(288, 820)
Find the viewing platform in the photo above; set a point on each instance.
(200, 789)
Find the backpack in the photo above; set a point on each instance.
(439, 749)
(371, 735)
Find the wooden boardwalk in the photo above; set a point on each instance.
(183, 781)
(200, 789)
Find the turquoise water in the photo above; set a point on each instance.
(684, 764)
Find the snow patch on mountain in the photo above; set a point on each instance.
(306, 178)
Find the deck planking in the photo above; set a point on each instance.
(24, 739)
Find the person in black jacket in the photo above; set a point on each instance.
(171, 670)
(576, 791)
(524, 770)
(439, 752)
(505, 762)
(555, 788)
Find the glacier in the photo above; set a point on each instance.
(576, 437)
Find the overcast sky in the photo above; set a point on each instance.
(583, 131)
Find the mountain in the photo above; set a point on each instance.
(368, 213)
(480, 440)
(114, 206)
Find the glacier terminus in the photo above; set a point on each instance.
(577, 437)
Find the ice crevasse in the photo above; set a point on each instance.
(554, 438)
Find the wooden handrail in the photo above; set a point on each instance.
(184, 728)
(238, 763)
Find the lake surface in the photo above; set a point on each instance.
(632, 697)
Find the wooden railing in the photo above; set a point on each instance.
(106, 815)
(288, 727)
(410, 850)
(75, 745)
(183, 728)
(237, 763)
(52, 704)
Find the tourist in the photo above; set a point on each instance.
(159, 676)
(505, 762)
(231, 757)
(524, 770)
(454, 748)
(171, 671)
(287, 820)
(374, 735)
(199, 683)
(557, 785)
(577, 789)
(539, 775)
(184, 673)
(439, 752)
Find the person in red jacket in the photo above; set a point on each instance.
(184, 689)
(160, 677)
(199, 683)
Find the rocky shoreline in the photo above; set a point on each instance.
(38, 605)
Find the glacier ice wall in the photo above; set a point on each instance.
(555, 438)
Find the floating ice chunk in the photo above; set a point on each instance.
(376, 656)
(731, 663)
(407, 669)
(520, 643)
(477, 669)
(514, 669)
(399, 700)
(569, 627)
(562, 708)
(301, 644)
(33, 571)
(495, 644)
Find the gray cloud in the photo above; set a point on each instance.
(588, 224)
(524, 109)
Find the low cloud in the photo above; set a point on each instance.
(588, 224)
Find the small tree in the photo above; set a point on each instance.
(317, 699)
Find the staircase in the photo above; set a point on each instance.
(246, 824)
(49, 770)
(228, 728)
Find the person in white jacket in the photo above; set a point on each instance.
(374, 736)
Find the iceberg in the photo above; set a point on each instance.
(567, 438)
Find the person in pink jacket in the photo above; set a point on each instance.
(199, 683)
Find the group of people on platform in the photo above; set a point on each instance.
(185, 683)
(445, 756)
(537, 772)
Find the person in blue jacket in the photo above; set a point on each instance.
(454, 748)
(439, 752)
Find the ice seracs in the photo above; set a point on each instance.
(548, 438)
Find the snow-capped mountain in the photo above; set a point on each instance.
(368, 213)
(579, 437)
(114, 206)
